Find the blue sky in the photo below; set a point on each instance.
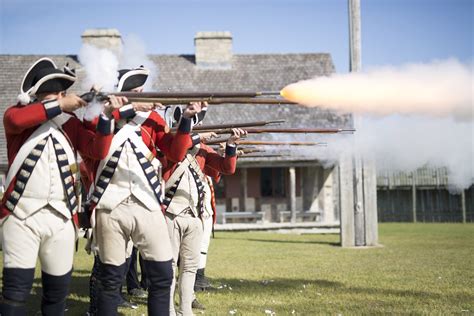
(393, 31)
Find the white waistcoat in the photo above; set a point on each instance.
(44, 187)
(186, 196)
(128, 179)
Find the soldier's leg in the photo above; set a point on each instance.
(201, 281)
(175, 239)
(112, 233)
(56, 255)
(132, 274)
(189, 260)
(20, 249)
(143, 280)
(150, 236)
(94, 286)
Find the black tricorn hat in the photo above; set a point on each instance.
(43, 76)
(132, 78)
(173, 118)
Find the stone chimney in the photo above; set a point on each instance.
(103, 38)
(213, 50)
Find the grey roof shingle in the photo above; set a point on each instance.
(263, 72)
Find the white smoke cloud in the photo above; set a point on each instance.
(438, 89)
(401, 143)
(408, 117)
(100, 66)
(134, 54)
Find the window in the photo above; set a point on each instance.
(273, 182)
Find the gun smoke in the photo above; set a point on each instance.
(101, 68)
(438, 89)
(412, 117)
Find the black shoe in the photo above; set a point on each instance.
(197, 305)
(128, 304)
(202, 283)
(137, 292)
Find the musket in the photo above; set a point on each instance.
(285, 130)
(250, 150)
(211, 128)
(260, 156)
(261, 142)
(279, 143)
(170, 98)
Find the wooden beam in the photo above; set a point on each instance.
(370, 203)
(463, 206)
(243, 190)
(346, 201)
(292, 173)
(413, 195)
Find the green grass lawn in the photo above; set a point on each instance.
(421, 269)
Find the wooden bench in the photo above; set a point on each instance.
(246, 217)
(310, 216)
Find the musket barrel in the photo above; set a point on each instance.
(210, 100)
(261, 156)
(286, 130)
(261, 142)
(262, 97)
(210, 128)
(191, 95)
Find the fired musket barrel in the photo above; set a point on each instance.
(198, 94)
(211, 100)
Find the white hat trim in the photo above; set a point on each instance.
(32, 66)
(132, 72)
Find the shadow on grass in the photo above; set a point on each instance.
(267, 287)
(78, 300)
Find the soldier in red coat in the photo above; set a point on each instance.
(127, 199)
(184, 200)
(39, 209)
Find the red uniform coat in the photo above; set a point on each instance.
(155, 134)
(207, 158)
(21, 121)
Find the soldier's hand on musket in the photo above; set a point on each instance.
(207, 136)
(159, 106)
(192, 109)
(143, 106)
(70, 102)
(221, 149)
(237, 133)
(113, 104)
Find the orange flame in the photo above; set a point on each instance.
(299, 93)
